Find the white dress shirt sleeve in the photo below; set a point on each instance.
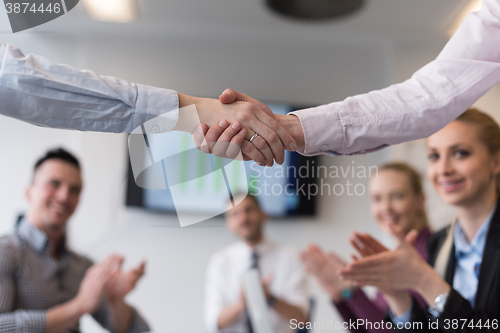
(296, 289)
(214, 294)
(436, 94)
(34, 90)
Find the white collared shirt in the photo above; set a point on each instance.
(224, 282)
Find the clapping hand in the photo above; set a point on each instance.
(366, 245)
(121, 283)
(399, 269)
(325, 267)
(394, 272)
(93, 286)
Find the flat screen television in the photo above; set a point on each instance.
(282, 190)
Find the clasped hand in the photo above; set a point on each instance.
(238, 124)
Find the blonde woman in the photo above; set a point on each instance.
(461, 282)
(397, 204)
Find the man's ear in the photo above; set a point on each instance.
(27, 193)
(265, 217)
(496, 164)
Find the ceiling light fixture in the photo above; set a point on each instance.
(112, 10)
(471, 6)
(314, 10)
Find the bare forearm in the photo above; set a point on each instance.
(399, 302)
(336, 296)
(185, 100)
(64, 316)
(188, 116)
(206, 110)
(289, 311)
(293, 126)
(431, 285)
(229, 315)
(122, 316)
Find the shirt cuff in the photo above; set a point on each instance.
(31, 321)
(433, 312)
(323, 130)
(325, 133)
(159, 104)
(403, 318)
(138, 324)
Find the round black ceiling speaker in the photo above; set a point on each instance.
(315, 9)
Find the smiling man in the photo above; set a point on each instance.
(46, 287)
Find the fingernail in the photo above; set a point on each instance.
(223, 123)
(236, 125)
(293, 146)
(242, 132)
(200, 129)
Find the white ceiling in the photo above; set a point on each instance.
(399, 18)
(380, 15)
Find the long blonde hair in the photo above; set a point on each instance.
(488, 132)
(416, 184)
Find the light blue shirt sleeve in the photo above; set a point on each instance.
(403, 318)
(34, 90)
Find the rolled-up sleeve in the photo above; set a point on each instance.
(22, 321)
(34, 90)
(103, 316)
(138, 324)
(466, 69)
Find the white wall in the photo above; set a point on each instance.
(171, 294)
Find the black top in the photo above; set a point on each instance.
(458, 310)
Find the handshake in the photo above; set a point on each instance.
(238, 123)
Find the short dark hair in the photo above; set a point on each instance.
(58, 154)
(246, 196)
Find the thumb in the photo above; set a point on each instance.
(411, 237)
(140, 270)
(228, 96)
(116, 266)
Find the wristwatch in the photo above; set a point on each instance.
(440, 302)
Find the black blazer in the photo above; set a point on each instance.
(488, 291)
